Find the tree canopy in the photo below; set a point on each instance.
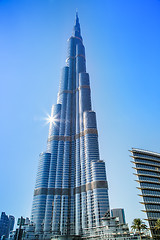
(139, 226)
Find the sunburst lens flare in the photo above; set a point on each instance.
(50, 119)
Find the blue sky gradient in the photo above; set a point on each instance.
(122, 41)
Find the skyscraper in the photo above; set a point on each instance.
(6, 224)
(147, 166)
(71, 191)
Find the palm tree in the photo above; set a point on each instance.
(157, 228)
(138, 225)
(157, 224)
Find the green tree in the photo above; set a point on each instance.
(157, 228)
(139, 226)
(157, 224)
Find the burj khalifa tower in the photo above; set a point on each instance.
(71, 190)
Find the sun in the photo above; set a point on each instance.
(50, 119)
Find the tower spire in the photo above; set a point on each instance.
(76, 29)
(77, 19)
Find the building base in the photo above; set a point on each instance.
(66, 238)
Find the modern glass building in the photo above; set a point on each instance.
(147, 166)
(6, 224)
(119, 212)
(71, 191)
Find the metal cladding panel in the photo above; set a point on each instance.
(100, 191)
(90, 119)
(64, 79)
(55, 120)
(71, 48)
(81, 63)
(80, 58)
(84, 79)
(91, 153)
(84, 94)
(43, 170)
(98, 171)
(53, 147)
(80, 51)
(62, 95)
(39, 201)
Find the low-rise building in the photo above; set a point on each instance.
(111, 229)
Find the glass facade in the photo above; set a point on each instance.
(71, 191)
(119, 212)
(147, 166)
(6, 224)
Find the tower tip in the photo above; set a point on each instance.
(76, 12)
(76, 29)
(77, 19)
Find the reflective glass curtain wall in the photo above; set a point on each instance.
(71, 191)
(147, 165)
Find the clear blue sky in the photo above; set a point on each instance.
(122, 40)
